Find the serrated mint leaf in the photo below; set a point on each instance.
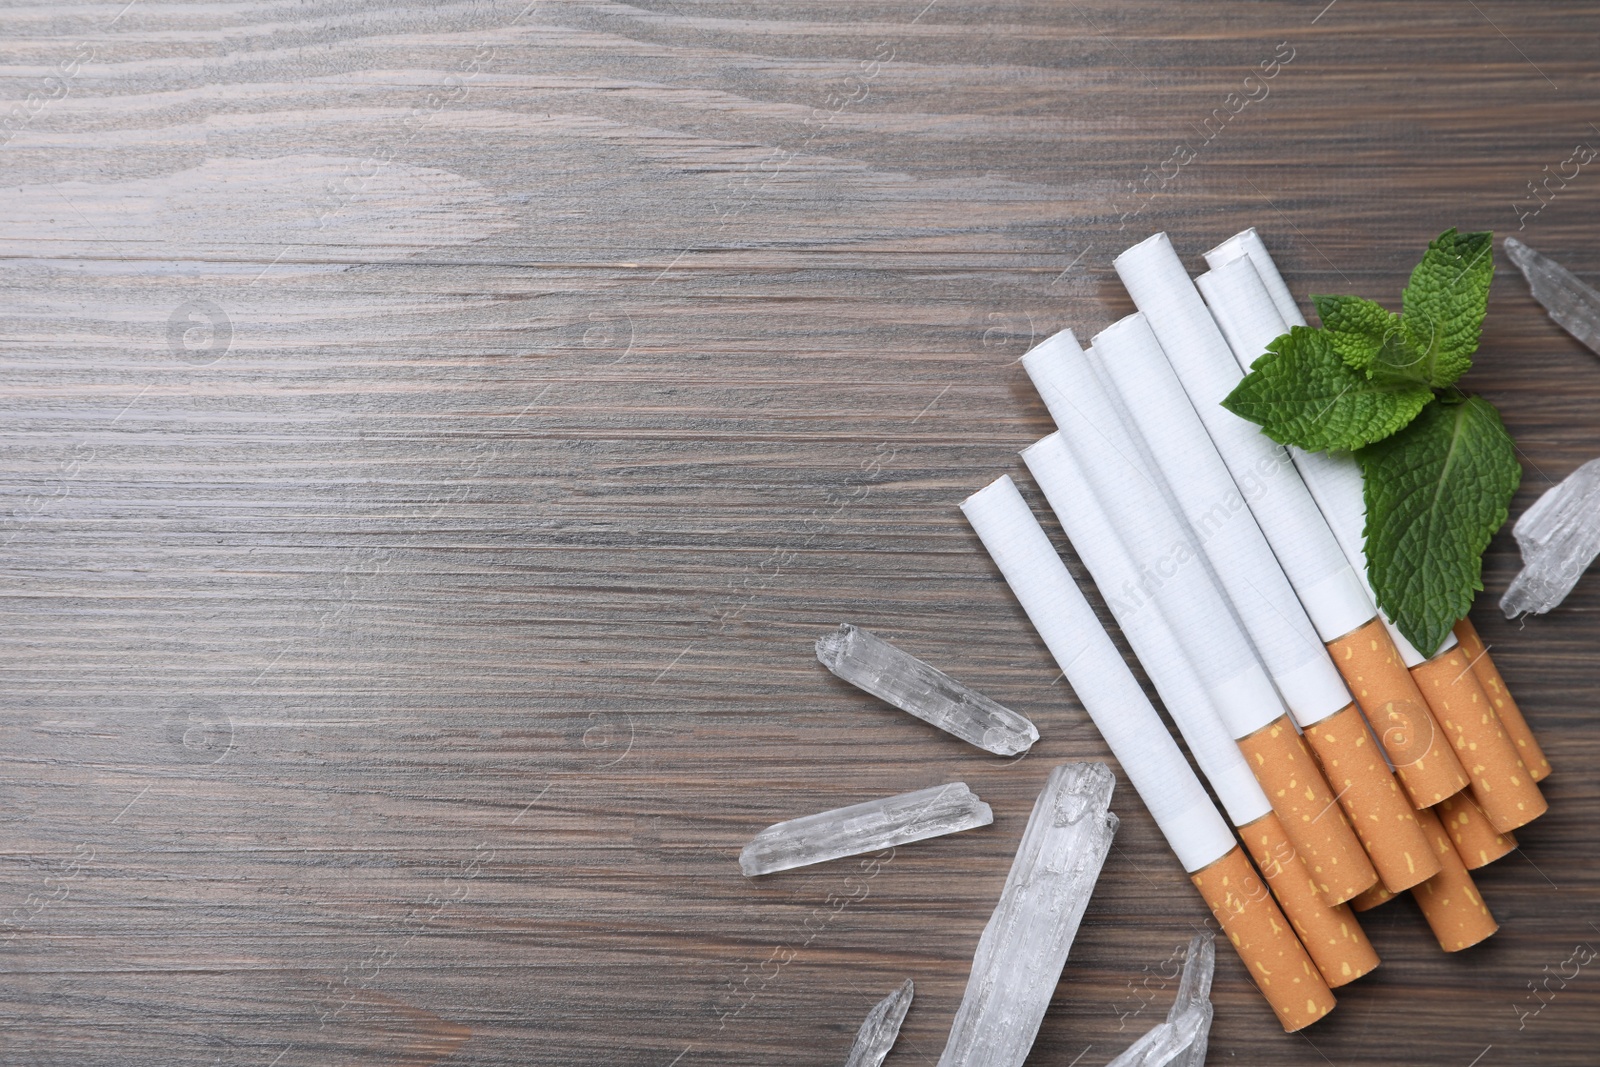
(1442, 308)
(1302, 393)
(1356, 327)
(1436, 492)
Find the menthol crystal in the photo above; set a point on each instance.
(1023, 948)
(865, 827)
(1574, 305)
(1182, 1040)
(870, 663)
(1559, 537)
(877, 1034)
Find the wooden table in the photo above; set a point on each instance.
(434, 436)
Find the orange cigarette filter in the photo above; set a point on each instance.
(1371, 898)
(1511, 720)
(1276, 960)
(1500, 782)
(1414, 742)
(1310, 815)
(1450, 900)
(1476, 840)
(1331, 936)
(1366, 789)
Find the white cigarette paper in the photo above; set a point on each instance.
(1224, 766)
(1257, 314)
(1204, 362)
(1138, 506)
(1137, 368)
(1097, 674)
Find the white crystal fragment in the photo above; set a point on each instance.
(1182, 1040)
(1160, 1045)
(882, 1026)
(1559, 537)
(1573, 305)
(865, 827)
(870, 663)
(1024, 946)
(1194, 1000)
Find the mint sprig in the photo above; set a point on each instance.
(1441, 311)
(1438, 467)
(1304, 392)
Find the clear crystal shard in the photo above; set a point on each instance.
(1182, 1040)
(1559, 537)
(1194, 1000)
(1574, 305)
(882, 1026)
(869, 662)
(1158, 1047)
(866, 827)
(1023, 948)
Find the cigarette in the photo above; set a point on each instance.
(1207, 371)
(1449, 900)
(1334, 480)
(1150, 758)
(1501, 783)
(1136, 371)
(1516, 727)
(1330, 934)
(1135, 503)
(1476, 840)
(1110, 564)
(1271, 950)
(1358, 641)
(1415, 743)
(1388, 826)
(1251, 575)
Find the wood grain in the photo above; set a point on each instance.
(435, 434)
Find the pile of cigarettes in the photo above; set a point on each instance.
(1351, 767)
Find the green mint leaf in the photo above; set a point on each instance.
(1356, 327)
(1301, 393)
(1436, 492)
(1442, 308)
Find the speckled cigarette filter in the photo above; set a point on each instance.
(1299, 794)
(1476, 840)
(1449, 900)
(1423, 757)
(1511, 720)
(1278, 963)
(1331, 936)
(1500, 782)
(1387, 827)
